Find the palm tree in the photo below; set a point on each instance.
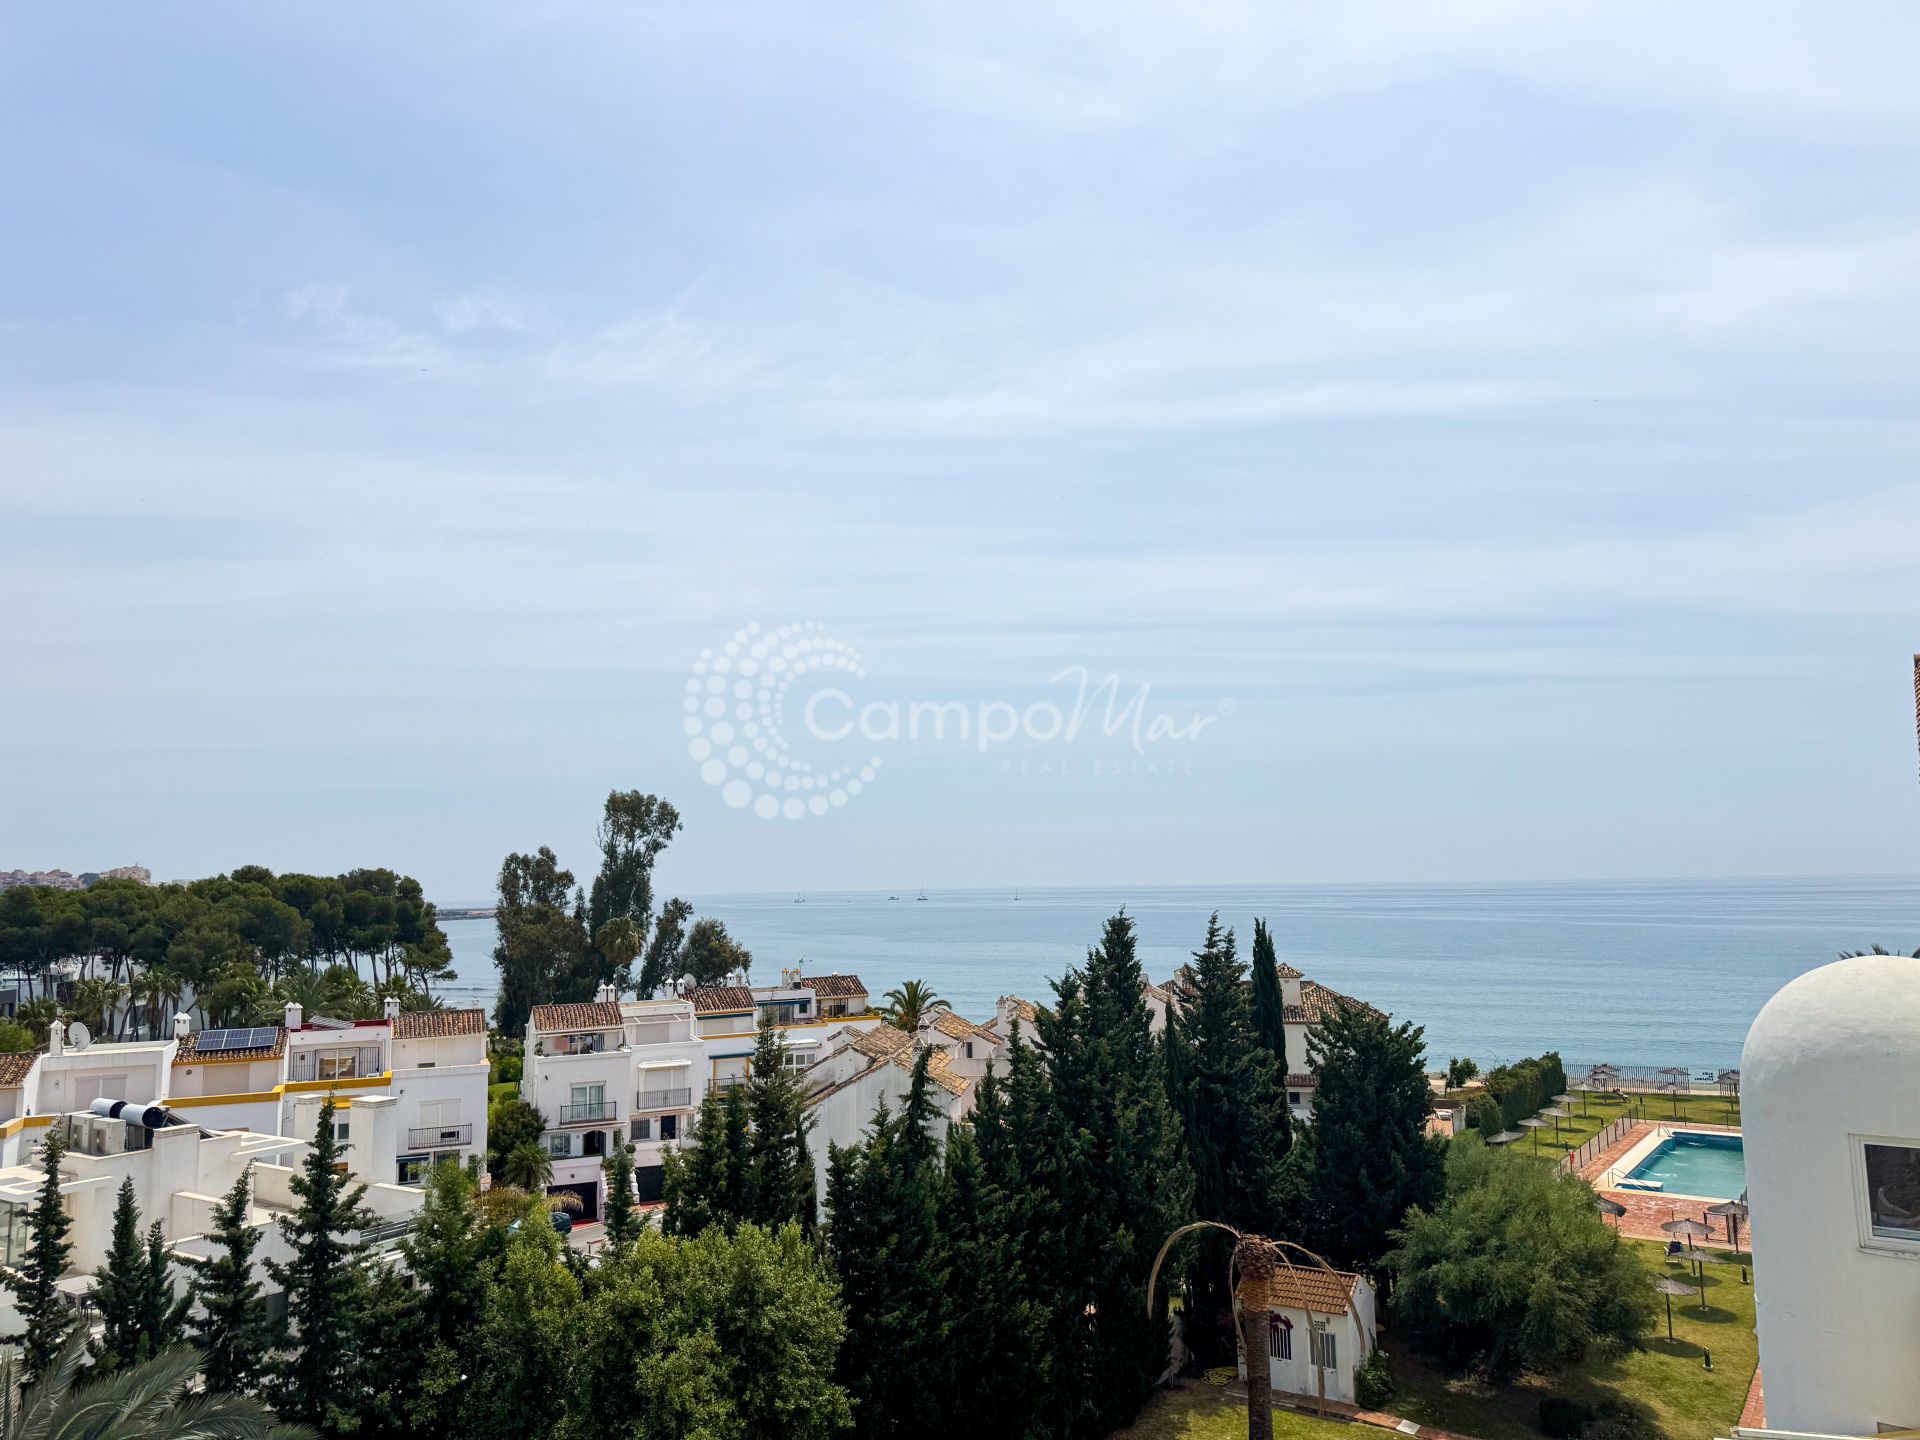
(910, 1005)
(154, 1399)
(527, 1167)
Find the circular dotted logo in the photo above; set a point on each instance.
(737, 716)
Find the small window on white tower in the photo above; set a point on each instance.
(1893, 1191)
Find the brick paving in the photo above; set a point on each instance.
(1648, 1210)
(1753, 1415)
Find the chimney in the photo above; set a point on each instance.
(295, 1015)
(391, 1009)
(182, 1024)
(1290, 990)
(57, 1038)
(604, 995)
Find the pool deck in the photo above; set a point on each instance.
(1648, 1210)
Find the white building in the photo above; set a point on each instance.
(180, 1172)
(807, 1008)
(866, 1067)
(1320, 1330)
(272, 1079)
(1830, 1099)
(607, 1069)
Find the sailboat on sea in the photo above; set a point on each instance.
(923, 893)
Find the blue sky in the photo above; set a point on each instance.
(1499, 418)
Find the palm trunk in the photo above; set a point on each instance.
(1253, 1337)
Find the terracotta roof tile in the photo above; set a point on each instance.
(1324, 1292)
(712, 999)
(14, 1068)
(431, 1024)
(1317, 1004)
(834, 987)
(882, 1042)
(1287, 972)
(961, 1028)
(1299, 1081)
(189, 1051)
(599, 1015)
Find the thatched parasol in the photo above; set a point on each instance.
(1733, 1212)
(1505, 1137)
(1688, 1228)
(1611, 1207)
(1670, 1287)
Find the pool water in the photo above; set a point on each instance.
(1690, 1163)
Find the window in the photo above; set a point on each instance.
(643, 1127)
(1293, 1097)
(1326, 1350)
(669, 1127)
(413, 1169)
(560, 1147)
(340, 1131)
(338, 1067)
(796, 1059)
(1893, 1191)
(594, 1142)
(1279, 1339)
(969, 1049)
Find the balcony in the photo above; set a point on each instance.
(430, 1137)
(679, 1099)
(593, 1112)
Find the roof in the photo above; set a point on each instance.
(1025, 1011)
(961, 1028)
(834, 987)
(189, 1050)
(1325, 1292)
(431, 1024)
(711, 999)
(1156, 992)
(551, 1019)
(14, 1068)
(1317, 1004)
(1287, 972)
(885, 1045)
(1307, 1081)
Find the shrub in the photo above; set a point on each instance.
(1373, 1382)
(1563, 1419)
(1460, 1069)
(1484, 1115)
(1618, 1418)
(506, 1070)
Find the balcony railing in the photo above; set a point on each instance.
(593, 1112)
(678, 1099)
(429, 1136)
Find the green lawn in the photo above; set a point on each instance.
(1690, 1401)
(1591, 1114)
(507, 1090)
(1193, 1411)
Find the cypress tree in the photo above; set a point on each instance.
(163, 1317)
(883, 1211)
(326, 1294)
(622, 1223)
(1106, 1144)
(119, 1287)
(1371, 1156)
(1270, 1020)
(230, 1327)
(1233, 1102)
(778, 1158)
(711, 1183)
(41, 1307)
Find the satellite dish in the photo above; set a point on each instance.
(78, 1036)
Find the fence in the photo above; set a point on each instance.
(1587, 1152)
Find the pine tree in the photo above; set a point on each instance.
(119, 1287)
(622, 1223)
(41, 1307)
(1233, 1102)
(326, 1293)
(163, 1315)
(229, 1325)
(1371, 1158)
(778, 1122)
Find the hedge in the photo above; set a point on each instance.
(1519, 1091)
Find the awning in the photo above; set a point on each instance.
(666, 1064)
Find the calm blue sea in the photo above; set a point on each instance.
(1642, 973)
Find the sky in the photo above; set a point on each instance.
(1496, 422)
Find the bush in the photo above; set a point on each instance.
(1484, 1115)
(506, 1070)
(1524, 1088)
(1563, 1419)
(1620, 1419)
(1460, 1069)
(1373, 1382)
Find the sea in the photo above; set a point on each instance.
(1639, 973)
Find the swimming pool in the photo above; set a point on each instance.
(1689, 1162)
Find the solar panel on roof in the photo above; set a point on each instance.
(212, 1040)
(262, 1038)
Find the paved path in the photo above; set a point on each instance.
(1753, 1416)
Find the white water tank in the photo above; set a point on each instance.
(1830, 1105)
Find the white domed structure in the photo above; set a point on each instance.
(1830, 1099)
